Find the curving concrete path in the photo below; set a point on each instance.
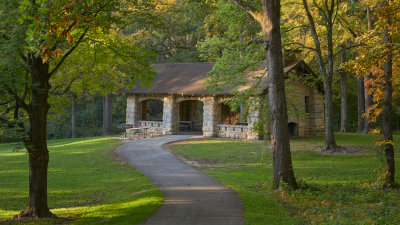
(191, 197)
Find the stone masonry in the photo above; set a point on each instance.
(310, 123)
(211, 116)
(170, 115)
(132, 110)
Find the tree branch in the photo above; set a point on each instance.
(67, 88)
(301, 45)
(24, 58)
(315, 38)
(249, 9)
(342, 22)
(296, 27)
(69, 52)
(255, 41)
(320, 9)
(336, 12)
(20, 101)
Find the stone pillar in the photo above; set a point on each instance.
(253, 117)
(211, 116)
(132, 110)
(170, 115)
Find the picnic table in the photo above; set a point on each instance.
(137, 132)
(186, 125)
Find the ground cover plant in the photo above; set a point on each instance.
(335, 189)
(87, 183)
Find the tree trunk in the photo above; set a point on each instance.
(368, 103)
(37, 148)
(361, 104)
(387, 111)
(282, 162)
(107, 115)
(330, 143)
(73, 116)
(368, 97)
(343, 89)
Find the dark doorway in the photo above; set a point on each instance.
(152, 110)
(191, 116)
(293, 129)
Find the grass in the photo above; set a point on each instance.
(336, 189)
(85, 182)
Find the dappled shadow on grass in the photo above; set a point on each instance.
(91, 186)
(339, 189)
(128, 212)
(342, 203)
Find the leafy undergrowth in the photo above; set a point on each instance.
(336, 189)
(86, 183)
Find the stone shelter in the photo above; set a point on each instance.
(178, 101)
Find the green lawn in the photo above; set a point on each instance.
(336, 189)
(86, 181)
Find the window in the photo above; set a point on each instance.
(307, 104)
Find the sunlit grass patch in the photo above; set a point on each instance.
(86, 183)
(336, 189)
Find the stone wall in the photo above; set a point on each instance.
(155, 127)
(170, 115)
(253, 118)
(309, 121)
(133, 108)
(317, 113)
(232, 131)
(211, 116)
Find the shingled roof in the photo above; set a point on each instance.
(189, 78)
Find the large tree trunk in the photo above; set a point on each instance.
(282, 162)
(37, 147)
(73, 116)
(343, 90)
(387, 111)
(368, 103)
(360, 104)
(107, 115)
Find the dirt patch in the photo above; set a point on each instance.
(344, 150)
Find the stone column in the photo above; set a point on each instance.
(170, 115)
(252, 118)
(211, 116)
(132, 110)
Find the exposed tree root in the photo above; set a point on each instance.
(31, 213)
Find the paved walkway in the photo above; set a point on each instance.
(191, 197)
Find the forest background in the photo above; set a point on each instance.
(186, 31)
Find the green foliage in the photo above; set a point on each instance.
(86, 182)
(82, 43)
(172, 29)
(106, 64)
(89, 118)
(336, 189)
